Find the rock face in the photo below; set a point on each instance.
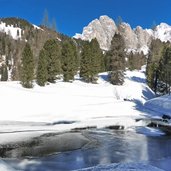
(136, 40)
(103, 29)
(129, 36)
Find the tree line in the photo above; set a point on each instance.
(159, 67)
(70, 57)
(58, 59)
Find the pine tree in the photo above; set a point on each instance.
(97, 57)
(131, 60)
(164, 71)
(53, 53)
(85, 64)
(68, 60)
(42, 72)
(4, 73)
(27, 67)
(117, 60)
(154, 64)
(92, 61)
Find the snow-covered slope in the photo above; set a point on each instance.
(15, 32)
(76, 101)
(161, 105)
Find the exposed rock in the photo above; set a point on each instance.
(144, 39)
(103, 30)
(136, 40)
(129, 36)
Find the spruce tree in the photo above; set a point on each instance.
(68, 60)
(27, 67)
(117, 60)
(53, 54)
(92, 61)
(164, 70)
(85, 64)
(4, 73)
(97, 57)
(42, 72)
(154, 64)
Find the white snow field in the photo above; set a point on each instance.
(26, 113)
(64, 106)
(30, 112)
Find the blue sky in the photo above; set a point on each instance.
(72, 15)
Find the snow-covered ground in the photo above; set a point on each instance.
(63, 106)
(15, 32)
(83, 104)
(160, 105)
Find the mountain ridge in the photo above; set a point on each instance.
(136, 40)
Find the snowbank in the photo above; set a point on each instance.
(161, 105)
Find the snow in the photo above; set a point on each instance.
(163, 32)
(150, 32)
(28, 113)
(72, 101)
(36, 27)
(160, 105)
(10, 30)
(97, 105)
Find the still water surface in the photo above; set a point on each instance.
(111, 147)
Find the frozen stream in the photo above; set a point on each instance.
(107, 146)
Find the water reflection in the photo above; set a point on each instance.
(112, 147)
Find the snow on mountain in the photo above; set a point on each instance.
(163, 32)
(15, 32)
(161, 105)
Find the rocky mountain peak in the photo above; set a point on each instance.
(136, 40)
(103, 29)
